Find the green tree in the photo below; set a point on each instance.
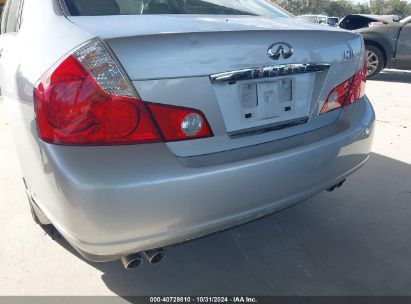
(378, 7)
(342, 8)
(397, 7)
(363, 8)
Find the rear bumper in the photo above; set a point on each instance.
(110, 201)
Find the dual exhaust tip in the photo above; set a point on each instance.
(134, 260)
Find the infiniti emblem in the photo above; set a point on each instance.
(278, 49)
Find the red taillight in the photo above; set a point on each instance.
(72, 109)
(357, 90)
(346, 93)
(86, 100)
(177, 123)
(336, 99)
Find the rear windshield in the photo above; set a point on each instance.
(157, 7)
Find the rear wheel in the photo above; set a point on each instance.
(375, 60)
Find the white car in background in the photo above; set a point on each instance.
(319, 19)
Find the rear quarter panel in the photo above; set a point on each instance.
(384, 37)
(45, 36)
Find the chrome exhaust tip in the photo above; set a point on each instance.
(154, 256)
(132, 261)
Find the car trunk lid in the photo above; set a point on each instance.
(182, 61)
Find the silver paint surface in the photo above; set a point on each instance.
(108, 201)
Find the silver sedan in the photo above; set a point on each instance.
(142, 124)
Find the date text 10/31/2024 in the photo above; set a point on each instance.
(240, 299)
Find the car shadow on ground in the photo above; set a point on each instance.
(353, 241)
(394, 76)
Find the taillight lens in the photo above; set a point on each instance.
(86, 100)
(357, 90)
(336, 99)
(346, 93)
(177, 123)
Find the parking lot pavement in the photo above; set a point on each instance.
(354, 241)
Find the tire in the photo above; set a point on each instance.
(375, 60)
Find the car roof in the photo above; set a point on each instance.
(406, 20)
(382, 18)
(312, 16)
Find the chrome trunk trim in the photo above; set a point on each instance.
(269, 71)
(269, 128)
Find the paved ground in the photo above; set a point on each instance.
(355, 241)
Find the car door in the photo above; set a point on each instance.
(3, 38)
(10, 24)
(403, 55)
